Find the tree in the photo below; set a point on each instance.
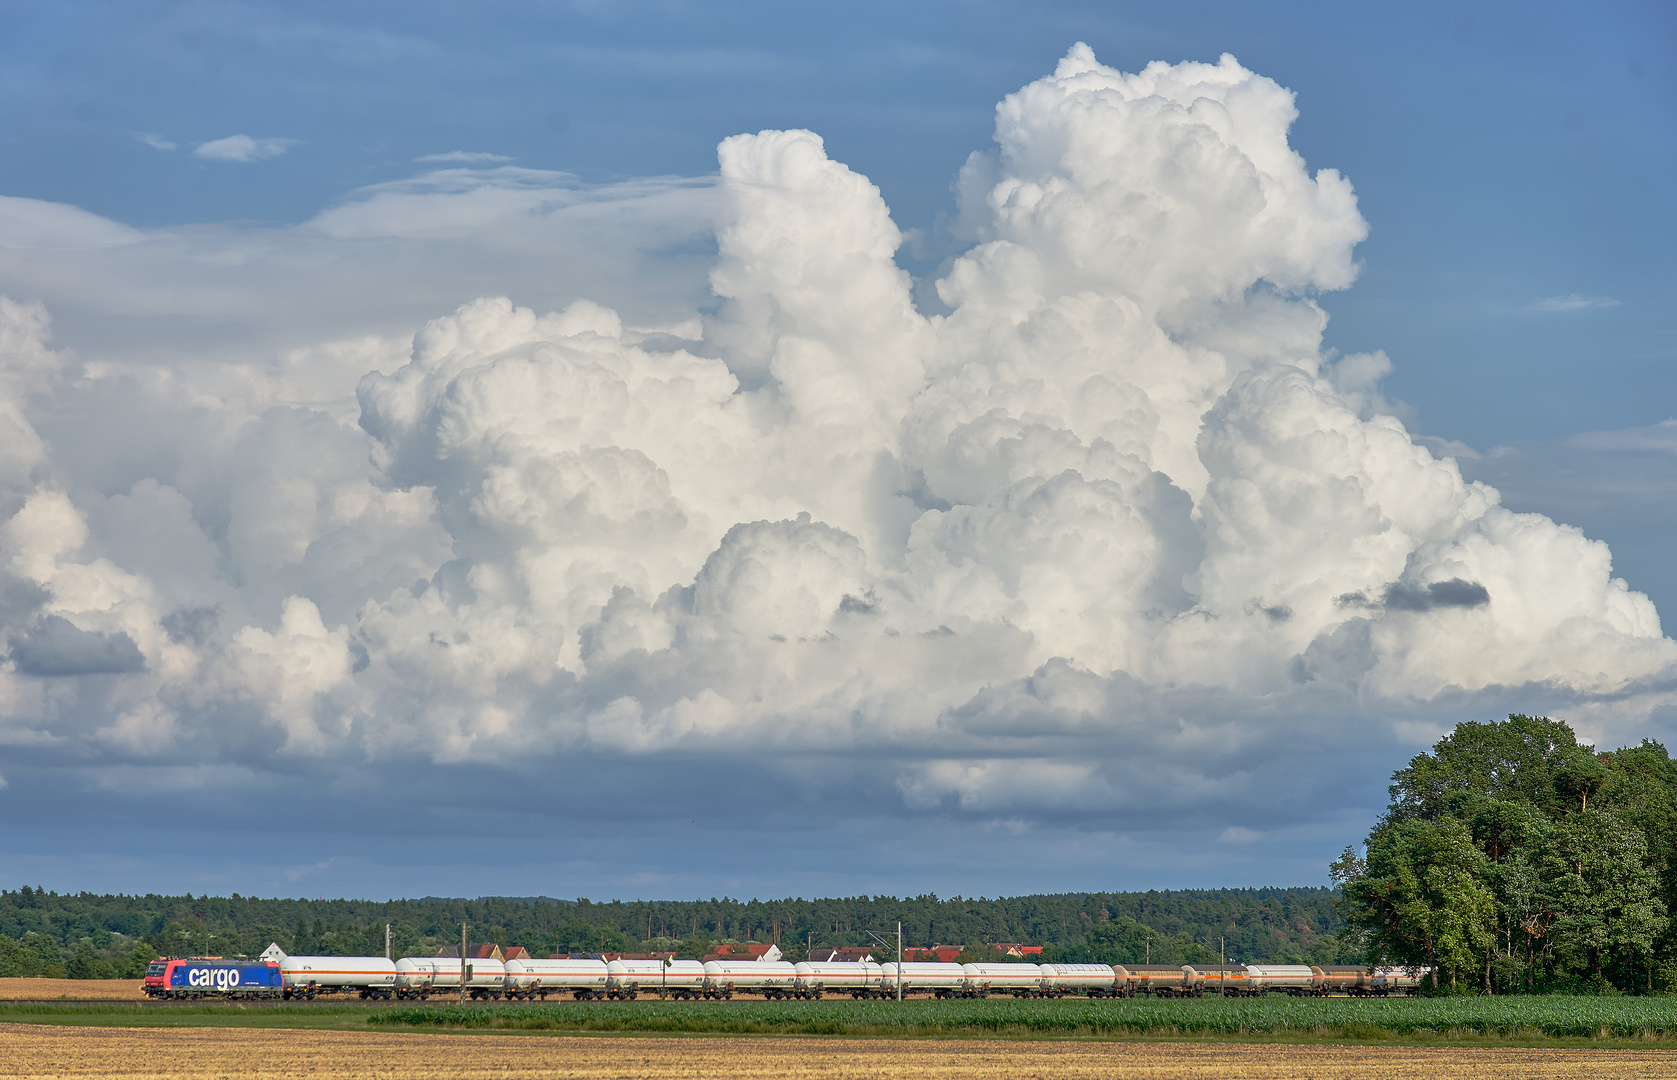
(1462, 906)
(1513, 850)
(579, 936)
(1516, 760)
(1605, 891)
(139, 958)
(1423, 897)
(82, 966)
(49, 960)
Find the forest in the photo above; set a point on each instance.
(1512, 858)
(1515, 859)
(85, 935)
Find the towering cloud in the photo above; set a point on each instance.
(1112, 516)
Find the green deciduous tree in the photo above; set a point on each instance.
(1605, 893)
(1514, 852)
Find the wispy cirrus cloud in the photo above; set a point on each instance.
(242, 148)
(1574, 302)
(465, 157)
(156, 142)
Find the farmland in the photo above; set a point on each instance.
(1530, 1020)
(37, 989)
(120, 1053)
(1397, 1018)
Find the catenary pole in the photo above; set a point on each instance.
(1222, 962)
(465, 972)
(899, 963)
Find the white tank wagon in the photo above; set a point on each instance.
(1093, 980)
(421, 976)
(306, 976)
(1020, 980)
(859, 979)
(414, 976)
(584, 979)
(771, 978)
(939, 980)
(1296, 980)
(680, 979)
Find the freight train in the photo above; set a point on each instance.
(417, 978)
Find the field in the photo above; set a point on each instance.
(210, 1054)
(1530, 1021)
(100, 989)
(1523, 1018)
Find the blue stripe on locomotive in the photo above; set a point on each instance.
(251, 976)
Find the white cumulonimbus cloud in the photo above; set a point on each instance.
(1114, 492)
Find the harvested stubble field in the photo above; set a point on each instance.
(72, 989)
(203, 1054)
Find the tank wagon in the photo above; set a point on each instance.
(1296, 980)
(1228, 980)
(307, 976)
(420, 977)
(1158, 980)
(771, 978)
(1385, 981)
(1020, 980)
(1092, 980)
(681, 979)
(538, 978)
(1344, 979)
(211, 976)
(374, 977)
(939, 980)
(859, 979)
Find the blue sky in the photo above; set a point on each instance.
(1504, 154)
(1512, 162)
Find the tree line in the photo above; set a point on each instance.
(1515, 859)
(113, 935)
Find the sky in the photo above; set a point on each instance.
(669, 450)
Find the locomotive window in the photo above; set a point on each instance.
(156, 969)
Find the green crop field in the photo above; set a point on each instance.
(1524, 1020)
(1521, 1017)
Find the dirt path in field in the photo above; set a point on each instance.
(100, 989)
(211, 1054)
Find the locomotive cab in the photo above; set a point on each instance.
(156, 971)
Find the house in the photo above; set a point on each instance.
(931, 954)
(844, 954)
(1012, 948)
(746, 950)
(517, 952)
(473, 952)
